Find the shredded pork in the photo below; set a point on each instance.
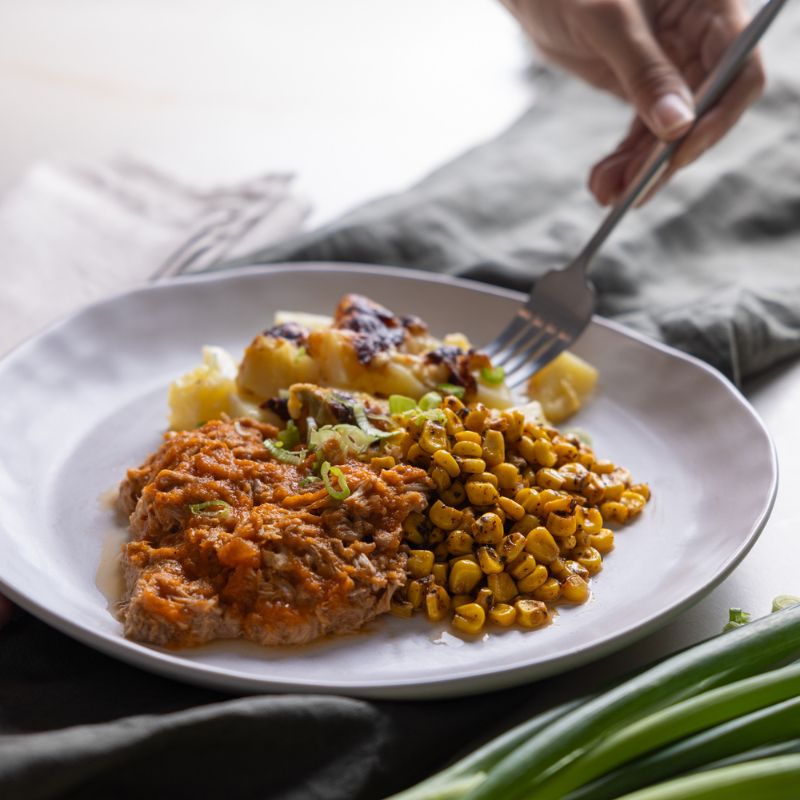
(278, 561)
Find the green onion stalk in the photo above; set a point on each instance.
(775, 723)
(530, 770)
(774, 778)
(710, 702)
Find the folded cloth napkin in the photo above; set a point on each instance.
(71, 234)
(710, 267)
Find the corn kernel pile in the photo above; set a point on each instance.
(517, 521)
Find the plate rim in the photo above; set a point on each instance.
(165, 663)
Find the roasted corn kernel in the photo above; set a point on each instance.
(511, 546)
(484, 598)
(507, 475)
(416, 527)
(459, 543)
(439, 573)
(522, 566)
(445, 517)
(441, 480)
(633, 501)
(529, 499)
(437, 603)
(574, 590)
(400, 607)
(503, 614)
(603, 540)
(469, 618)
(531, 613)
(525, 525)
(502, 586)
(445, 461)
(476, 419)
(464, 576)
(488, 529)
(548, 592)
(483, 477)
(541, 545)
(588, 557)
(526, 449)
(472, 466)
(614, 510)
(420, 563)
(590, 520)
(415, 593)
(455, 495)
(548, 478)
(433, 437)
(489, 561)
(481, 493)
(494, 448)
(531, 582)
(560, 524)
(467, 449)
(516, 425)
(511, 508)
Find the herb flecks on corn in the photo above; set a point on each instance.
(518, 520)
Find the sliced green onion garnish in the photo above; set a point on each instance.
(327, 471)
(349, 439)
(211, 508)
(736, 618)
(290, 435)
(309, 480)
(493, 375)
(311, 426)
(365, 425)
(277, 451)
(784, 601)
(451, 388)
(399, 404)
(429, 401)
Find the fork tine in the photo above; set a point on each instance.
(536, 345)
(547, 351)
(509, 333)
(525, 348)
(511, 354)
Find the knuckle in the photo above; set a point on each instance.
(653, 78)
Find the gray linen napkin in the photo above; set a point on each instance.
(709, 267)
(72, 233)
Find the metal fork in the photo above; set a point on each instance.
(562, 301)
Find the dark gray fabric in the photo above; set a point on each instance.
(711, 267)
(76, 724)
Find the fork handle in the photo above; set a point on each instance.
(715, 84)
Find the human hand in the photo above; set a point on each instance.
(654, 54)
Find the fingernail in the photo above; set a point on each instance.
(671, 113)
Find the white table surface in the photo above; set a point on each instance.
(214, 90)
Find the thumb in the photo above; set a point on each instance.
(621, 34)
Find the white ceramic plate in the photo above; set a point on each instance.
(87, 399)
